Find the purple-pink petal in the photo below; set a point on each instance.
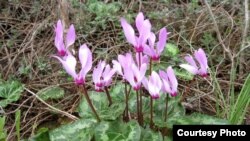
(128, 31)
(154, 85)
(117, 66)
(129, 76)
(162, 40)
(189, 68)
(71, 36)
(85, 57)
(166, 86)
(144, 33)
(172, 79)
(190, 61)
(97, 72)
(139, 21)
(69, 64)
(59, 29)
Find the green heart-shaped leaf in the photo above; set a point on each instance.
(118, 131)
(102, 107)
(80, 130)
(149, 135)
(10, 91)
(53, 92)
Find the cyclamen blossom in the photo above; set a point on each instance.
(192, 67)
(151, 50)
(124, 61)
(69, 64)
(102, 75)
(169, 80)
(134, 75)
(153, 85)
(144, 28)
(59, 40)
(131, 72)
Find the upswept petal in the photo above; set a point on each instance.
(69, 64)
(59, 29)
(117, 66)
(71, 36)
(139, 21)
(83, 54)
(128, 31)
(202, 57)
(163, 75)
(162, 40)
(172, 79)
(189, 68)
(158, 82)
(166, 87)
(139, 73)
(106, 70)
(107, 78)
(85, 57)
(129, 76)
(154, 85)
(125, 60)
(147, 50)
(151, 88)
(151, 40)
(97, 72)
(59, 45)
(145, 32)
(59, 36)
(136, 72)
(190, 61)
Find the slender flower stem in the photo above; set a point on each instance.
(138, 107)
(151, 99)
(166, 110)
(151, 113)
(85, 92)
(108, 95)
(126, 102)
(140, 116)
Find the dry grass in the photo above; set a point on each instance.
(26, 43)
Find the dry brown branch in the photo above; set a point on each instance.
(226, 49)
(51, 107)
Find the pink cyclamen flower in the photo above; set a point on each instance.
(69, 64)
(134, 75)
(144, 28)
(169, 80)
(102, 75)
(62, 47)
(131, 72)
(153, 85)
(124, 61)
(151, 50)
(192, 67)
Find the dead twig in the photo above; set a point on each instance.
(51, 107)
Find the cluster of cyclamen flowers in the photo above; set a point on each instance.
(132, 71)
